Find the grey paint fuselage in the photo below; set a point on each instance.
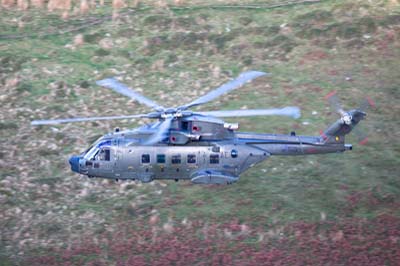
(204, 150)
(129, 159)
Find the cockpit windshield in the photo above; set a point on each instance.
(91, 146)
(100, 150)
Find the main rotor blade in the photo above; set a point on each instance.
(162, 132)
(227, 87)
(83, 119)
(113, 84)
(290, 111)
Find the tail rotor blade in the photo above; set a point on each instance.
(366, 104)
(361, 135)
(334, 102)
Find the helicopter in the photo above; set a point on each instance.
(198, 145)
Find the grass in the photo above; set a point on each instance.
(174, 57)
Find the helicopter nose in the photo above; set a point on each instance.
(74, 162)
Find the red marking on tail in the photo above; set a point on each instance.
(364, 141)
(329, 95)
(371, 102)
(325, 137)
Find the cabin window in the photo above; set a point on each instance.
(145, 158)
(104, 154)
(176, 159)
(214, 158)
(160, 158)
(191, 158)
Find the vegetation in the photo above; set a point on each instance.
(338, 209)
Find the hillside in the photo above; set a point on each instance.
(337, 209)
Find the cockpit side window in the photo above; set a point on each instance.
(92, 152)
(107, 156)
(104, 154)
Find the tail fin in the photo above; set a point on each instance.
(335, 133)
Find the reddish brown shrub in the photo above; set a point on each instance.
(37, 3)
(347, 242)
(22, 4)
(7, 3)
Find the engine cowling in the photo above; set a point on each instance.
(181, 138)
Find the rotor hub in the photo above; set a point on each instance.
(346, 119)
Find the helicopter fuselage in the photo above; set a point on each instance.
(122, 155)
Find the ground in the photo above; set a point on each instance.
(338, 209)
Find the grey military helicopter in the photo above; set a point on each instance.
(197, 145)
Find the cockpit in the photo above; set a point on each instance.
(99, 151)
(103, 154)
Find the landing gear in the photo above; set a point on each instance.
(116, 179)
(176, 179)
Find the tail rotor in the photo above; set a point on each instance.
(336, 106)
(349, 119)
